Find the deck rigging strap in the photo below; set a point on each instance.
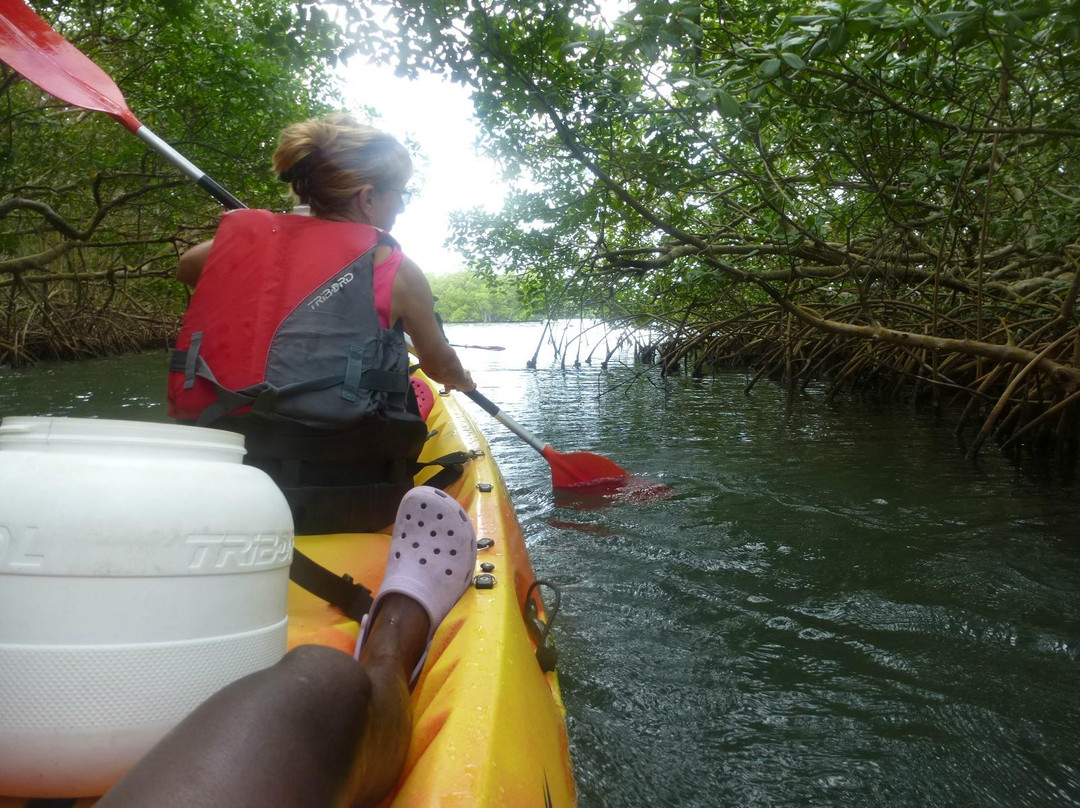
(453, 466)
(546, 655)
(342, 591)
(338, 590)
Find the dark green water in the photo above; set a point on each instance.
(834, 610)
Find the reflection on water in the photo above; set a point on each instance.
(833, 609)
(627, 490)
(129, 387)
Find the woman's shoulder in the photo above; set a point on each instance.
(410, 280)
(255, 219)
(250, 213)
(249, 218)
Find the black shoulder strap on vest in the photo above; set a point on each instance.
(338, 590)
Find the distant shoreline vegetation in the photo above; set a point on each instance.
(467, 298)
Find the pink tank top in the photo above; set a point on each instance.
(383, 284)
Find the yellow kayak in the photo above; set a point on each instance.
(489, 726)
(489, 723)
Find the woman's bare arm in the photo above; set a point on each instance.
(413, 302)
(191, 263)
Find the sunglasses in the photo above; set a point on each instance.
(404, 194)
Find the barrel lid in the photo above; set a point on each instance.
(32, 429)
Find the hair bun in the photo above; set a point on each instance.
(327, 161)
(290, 173)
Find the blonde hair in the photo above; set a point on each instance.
(326, 161)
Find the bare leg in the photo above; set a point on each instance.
(316, 729)
(397, 640)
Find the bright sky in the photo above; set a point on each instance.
(437, 115)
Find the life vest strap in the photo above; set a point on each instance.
(354, 371)
(263, 397)
(191, 361)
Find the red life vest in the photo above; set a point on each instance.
(283, 324)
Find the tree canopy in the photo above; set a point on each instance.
(872, 192)
(860, 189)
(464, 297)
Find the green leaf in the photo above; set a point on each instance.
(935, 27)
(769, 68)
(691, 29)
(793, 61)
(651, 48)
(729, 107)
(838, 38)
(809, 20)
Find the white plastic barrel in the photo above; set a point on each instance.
(142, 568)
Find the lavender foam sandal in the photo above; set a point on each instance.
(432, 559)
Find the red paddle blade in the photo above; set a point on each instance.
(575, 469)
(30, 47)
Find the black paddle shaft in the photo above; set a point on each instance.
(209, 185)
(483, 401)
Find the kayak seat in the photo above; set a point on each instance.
(422, 396)
(336, 481)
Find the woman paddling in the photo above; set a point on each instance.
(295, 333)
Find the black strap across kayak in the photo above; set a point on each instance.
(338, 590)
(342, 591)
(453, 466)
